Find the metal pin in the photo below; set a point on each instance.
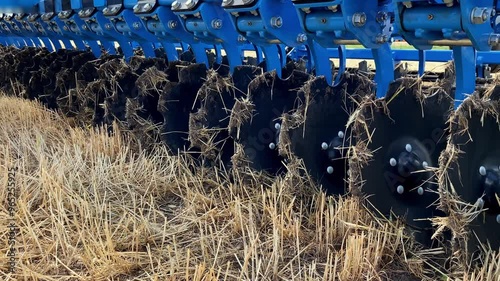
(400, 189)
(425, 165)
(277, 126)
(482, 171)
(272, 146)
(329, 170)
(393, 162)
(324, 146)
(340, 134)
(420, 191)
(408, 147)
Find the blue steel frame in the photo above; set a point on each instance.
(333, 24)
(320, 29)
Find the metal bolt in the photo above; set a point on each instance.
(272, 146)
(400, 189)
(114, 9)
(340, 134)
(482, 171)
(494, 39)
(498, 218)
(176, 5)
(65, 28)
(420, 191)
(425, 165)
(247, 1)
(449, 3)
(85, 27)
(408, 147)
(147, 7)
(301, 38)
(137, 8)
(381, 38)
(359, 19)
(107, 26)
(382, 16)
(393, 162)
(105, 10)
(277, 126)
(480, 203)
(227, 2)
(190, 3)
(136, 25)
(329, 170)
(324, 146)
(276, 22)
(480, 15)
(217, 23)
(172, 24)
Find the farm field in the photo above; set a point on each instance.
(94, 188)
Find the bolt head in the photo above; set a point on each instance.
(227, 2)
(480, 15)
(107, 26)
(420, 191)
(393, 162)
(172, 24)
(301, 38)
(408, 147)
(359, 19)
(498, 218)
(480, 203)
(341, 134)
(137, 8)
(176, 5)
(277, 126)
(329, 170)
(425, 165)
(272, 146)
(147, 6)
(217, 23)
(324, 146)
(276, 22)
(190, 3)
(400, 189)
(482, 171)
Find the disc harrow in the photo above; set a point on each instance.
(268, 84)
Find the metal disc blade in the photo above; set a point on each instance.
(177, 102)
(255, 121)
(402, 137)
(471, 166)
(208, 126)
(317, 129)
